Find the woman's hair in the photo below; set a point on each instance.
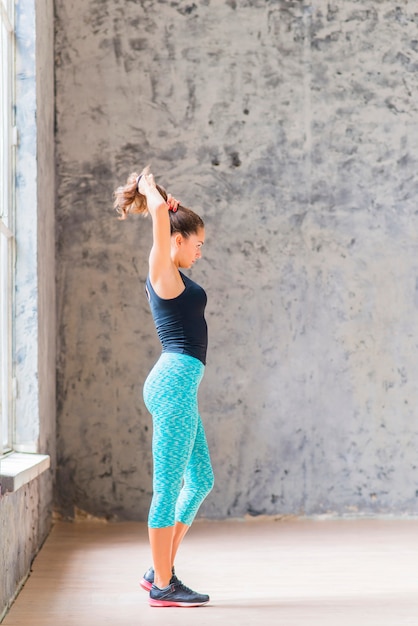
(128, 200)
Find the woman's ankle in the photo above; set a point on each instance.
(161, 583)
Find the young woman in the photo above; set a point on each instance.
(183, 473)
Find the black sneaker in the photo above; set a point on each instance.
(147, 580)
(176, 594)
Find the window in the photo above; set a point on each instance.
(7, 174)
(27, 323)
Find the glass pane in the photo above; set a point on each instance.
(6, 218)
(4, 341)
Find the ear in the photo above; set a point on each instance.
(178, 239)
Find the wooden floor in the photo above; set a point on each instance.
(354, 573)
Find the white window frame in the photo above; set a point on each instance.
(21, 373)
(8, 141)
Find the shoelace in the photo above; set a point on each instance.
(184, 587)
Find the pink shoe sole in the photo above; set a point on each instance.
(167, 603)
(145, 584)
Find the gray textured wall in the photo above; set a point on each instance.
(292, 127)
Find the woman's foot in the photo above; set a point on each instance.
(147, 580)
(176, 594)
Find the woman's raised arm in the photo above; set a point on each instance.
(164, 275)
(142, 195)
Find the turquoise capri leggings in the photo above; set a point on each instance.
(183, 473)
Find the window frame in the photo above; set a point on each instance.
(30, 388)
(8, 142)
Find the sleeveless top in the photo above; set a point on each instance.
(180, 321)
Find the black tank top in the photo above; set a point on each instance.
(180, 321)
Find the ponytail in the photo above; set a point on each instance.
(128, 199)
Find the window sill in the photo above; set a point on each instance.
(18, 468)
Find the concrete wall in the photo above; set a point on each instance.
(26, 515)
(25, 521)
(292, 127)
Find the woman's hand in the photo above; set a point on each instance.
(172, 203)
(147, 186)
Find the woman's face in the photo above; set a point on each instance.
(187, 251)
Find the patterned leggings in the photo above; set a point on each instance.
(183, 473)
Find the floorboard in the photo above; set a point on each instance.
(339, 573)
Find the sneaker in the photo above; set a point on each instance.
(176, 594)
(147, 580)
